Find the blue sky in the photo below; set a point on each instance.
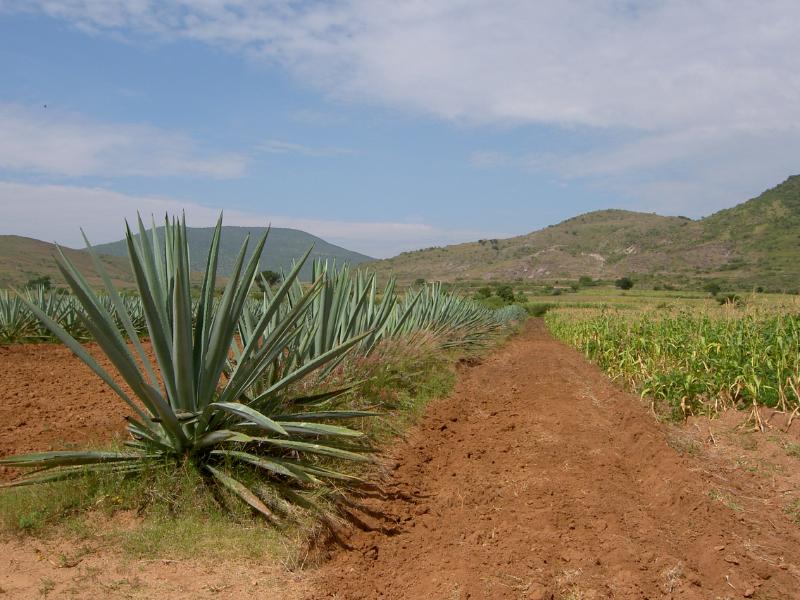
(386, 126)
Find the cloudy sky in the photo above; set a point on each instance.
(385, 126)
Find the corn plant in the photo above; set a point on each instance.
(200, 398)
(693, 360)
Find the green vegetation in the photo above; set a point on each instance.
(227, 418)
(247, 394)
(19, 323)
(23, 260)
(285, 245)
(179, 516)
(43, 281)
(750, 245)
(693, 361)
(269, 277)
(624, 283)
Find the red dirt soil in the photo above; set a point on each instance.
(50, 400)
(538, 478)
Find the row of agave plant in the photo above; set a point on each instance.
(19, 324)
(222, 383)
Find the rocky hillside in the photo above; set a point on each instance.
(754, 243)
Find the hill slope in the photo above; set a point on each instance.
(23, 258)
(282, 247)
(754, 243)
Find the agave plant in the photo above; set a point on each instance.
(200, 398)
(455, 320)
(16, 321)
(510, 313)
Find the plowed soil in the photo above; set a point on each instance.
(537, 478)
(50, 400)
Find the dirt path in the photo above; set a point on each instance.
(538, 478)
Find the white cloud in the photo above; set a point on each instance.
(710, 88)
(55, 142)
(284, 147)
(603, 63)
(101, 212)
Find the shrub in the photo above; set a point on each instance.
(43, 281)
(730, 300)
(505, 292)
(538, 309)
(624, 283)
(271, 277)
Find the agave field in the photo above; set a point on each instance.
(698, 360)
(244, 384)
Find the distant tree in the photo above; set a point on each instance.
(505, 292)
(271, 277)
(42, 281)
(760, 289)
(419, 281)
(730, 300)
(712, 288)
(484, 292)
(624, 283)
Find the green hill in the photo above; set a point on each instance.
(283, 246)
(754, 243)
(22, 259)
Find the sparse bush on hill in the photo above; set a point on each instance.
(505, 293)
(271, 277)
(624, 283)
(730, 300)
(43, 281)
(538, 309)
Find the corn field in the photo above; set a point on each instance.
(699, 361)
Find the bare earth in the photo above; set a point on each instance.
(537, 478)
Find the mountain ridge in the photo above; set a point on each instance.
(755, 243)
(23, 258)
(752, 243)
(283, 246)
